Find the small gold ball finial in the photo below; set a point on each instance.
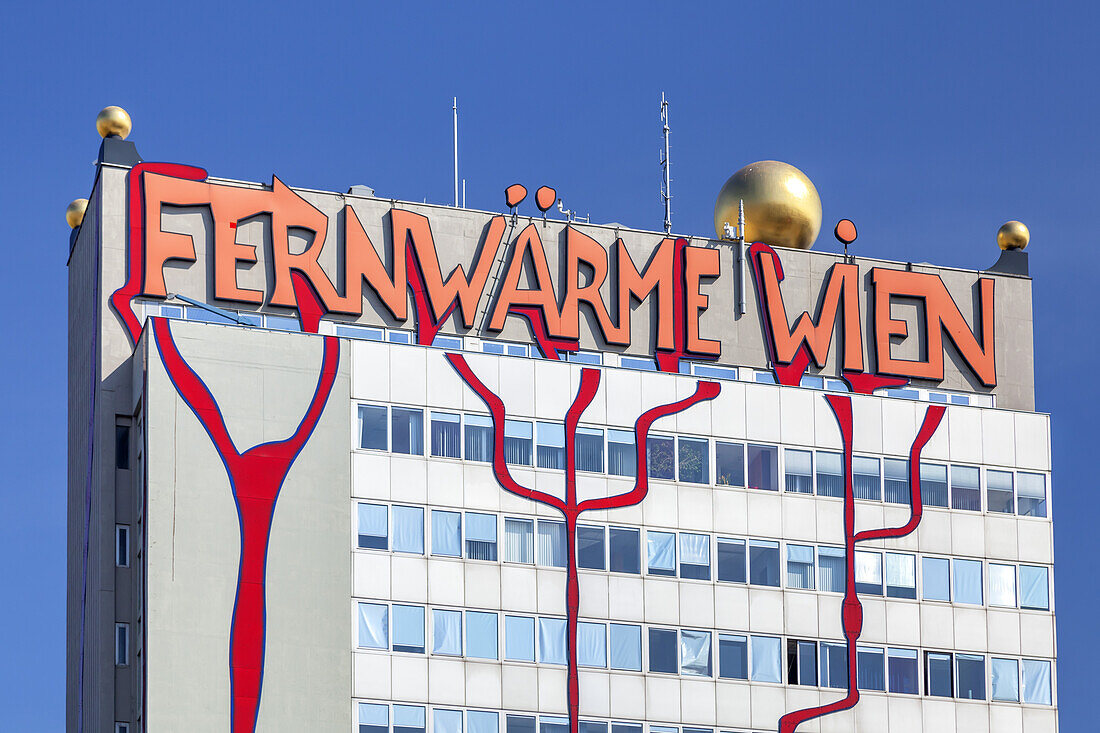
(74, 214)
(782, 207)
(113, 121)
(1013, 235)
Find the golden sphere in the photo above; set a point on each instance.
(113, 121)
(1013, 235)
(782, 207)
(74, 214)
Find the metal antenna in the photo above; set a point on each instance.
(666, 181)
(455, 110)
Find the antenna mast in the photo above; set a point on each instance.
(666, 181)
(455, 110)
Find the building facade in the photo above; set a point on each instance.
(344, 463)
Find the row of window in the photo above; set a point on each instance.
(474, 536)
(698, 653)
(689, 460)
(386, 718)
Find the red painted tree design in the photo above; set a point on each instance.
(570, 507)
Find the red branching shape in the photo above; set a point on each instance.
(570, 508)
(852, 609)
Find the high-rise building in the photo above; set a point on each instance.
(343, 463)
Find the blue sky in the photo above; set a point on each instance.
(929, 125)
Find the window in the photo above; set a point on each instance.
(937, 675)
(594, 358)
(896, 481)
(811, 382)
(661, 550)
(1002, 585)
(1036, 681)
(831, 570)
(588, 449)
(122, 447)
(933, 484)
(374, 626)
(408, 529)
(1006, 680)
(866, 483)
(408, 629)
(967, 577)
(830, 474)
(834, 665)
(1032, 498)
(479, 438)
(374, 718)
(447, 632)
(446, 721)
(548, 724)
(446, 437)
(765, 659)
(552, 543)
(660, 457)
(869, 573)
(520, 724)
(714, 372)
(695, 653)
(764, 563)
(408, 430)
(481, 635)
(732, 561)
(447, 342)
(622, 455)
(800, 566)
(694, 460)
(398, 337)
(594, 726)
(634, 362)
(763, 467)
(902, 671)
(626, 647)
(662, 651)
(733, 657)
(373, 526)
(729, 461)
(519, 540)
(966, 493)
(552, 640)
(482, 721)
(870, 668)
(519, 638)
(517, 442)
(590, 547)
(446, 533)
(971, 676)
(799, 471)
(591, 644)
(551, 445)
(937, 578)
(122, 728)
(1034, 588)
(625, 550)
(122, 644)
(122, 545)
(694, 556)
(408, 719)
(764, 378)
(801, 662)
(372, 427)
(901, 575)
(998, 491)
(481, 536)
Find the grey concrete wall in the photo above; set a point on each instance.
(194, 544)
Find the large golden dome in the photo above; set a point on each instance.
(782, 207)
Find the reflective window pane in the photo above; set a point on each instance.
(733, 657)
(694, 556)
(901, 575)
(694, 460)
(868, 572)
(479, 438)
(590, 547)
(798, 471)
(938, 680)
(446, 533)
(763, 462)
(626, 647)
(895, 473)
(764, 563)
(729, 459)
(870, 668)
(625, 545)
(966, 492)
(661, 553)
(519, 540)
(481, 536)
(967, 581)
(552, 543)
(372, 427)
(373, 526)
(933, 484)
(591, 644)
(830, 474)
(661, 457)
(971, 676)
(408, 629)
(800, 566)
(408, 430)
(446, 632)
(552, 647)
(1006, 680)
(622, 456)
(408, 529)
(831, 570)
(695, 653)
(866, 483)
(481, 635)
(902, 671)
(732, 561)
(446, 435)
(588, 449)
(1031, 494)
(936, 578)
(1002, 585)
(663, 653)
(519, 638)
(999, 496)
(1034, 588)
(551, 445)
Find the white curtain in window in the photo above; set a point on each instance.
(479, 437)
(552, 543)
(695, 653)
(518, 546)
(1002, 585)
(968, 581)
(1006, 680)
(1034, 587)
(589, 449)
(1036, 682)
(661, 550)
(374, 626)
(482, 721)
(694, 549)
(517, 442)
(622, 458)
(447, 632)
(373, 520)
(409, 716)
(591, 644)
(374, 714)
(481, 527)
(830, 568)
(446, 435)
(868, 567)
(551, 445)
(626, 647)
(901, 570)
(800, 566)
(519, 638)
(408, 529)
(408, 627)
(765, 659)
(446, 721)
(446, 533)
(552, 640)
(481, 634)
